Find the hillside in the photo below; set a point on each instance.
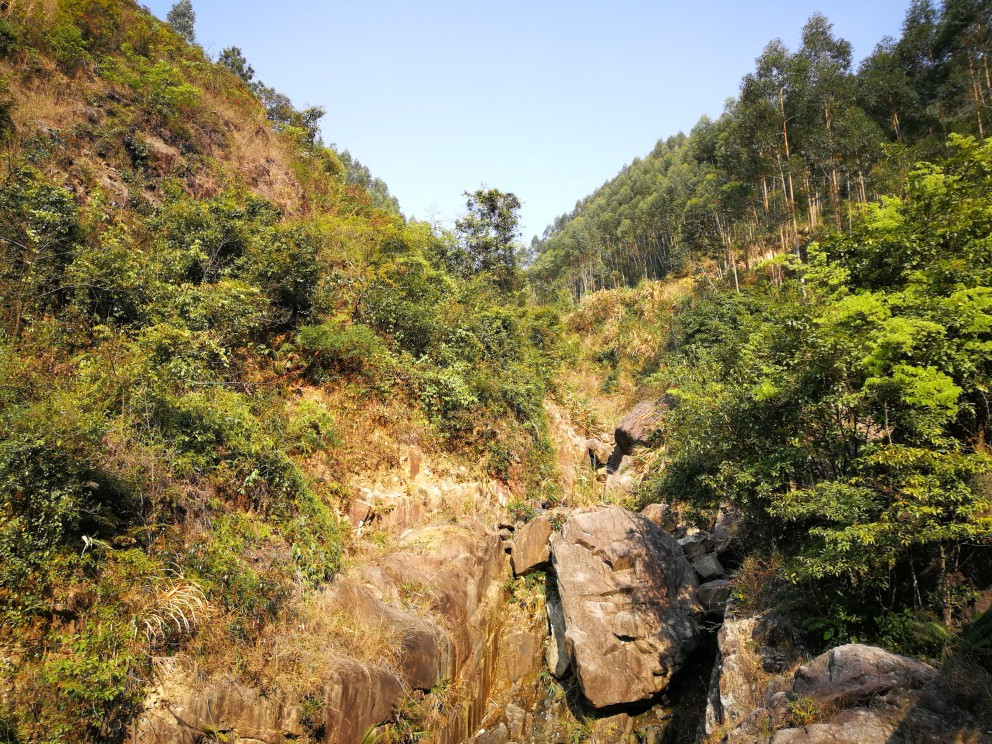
(210, 336)
(807, 139)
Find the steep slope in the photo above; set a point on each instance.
(210, 339)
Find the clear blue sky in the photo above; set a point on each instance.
(545, 99)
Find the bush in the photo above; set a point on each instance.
(283, 263)
(910, 633)
(52, 491)
(232, 311)
(112, 281)
(251, 592)
(68, 47)
(10, 38)
(343, 349)
(6, 107)
(95, 672)
(447, 397)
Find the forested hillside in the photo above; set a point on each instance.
(806, 140)
(208, 321)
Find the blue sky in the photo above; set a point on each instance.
(545, 99)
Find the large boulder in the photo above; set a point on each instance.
(636, 427)
(855, 726)
(629, 601)
(530, 546)
(856, 671)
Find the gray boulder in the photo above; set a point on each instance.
(714, 595)
(530, 546)
(708, 567)
(629, 602)
(856, 670)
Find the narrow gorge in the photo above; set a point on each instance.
(595, 624)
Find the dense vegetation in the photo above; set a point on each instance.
(807, 138)
(845, 411)
(196, 296)
(828, 361)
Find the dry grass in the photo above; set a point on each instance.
(176, 608)
(755, 582)
(299, 653)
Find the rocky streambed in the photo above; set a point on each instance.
(596, 624)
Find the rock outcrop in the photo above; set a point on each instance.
(185, 716)
(530, 546)
(355, 697)
(426, 655)
(636, 428)
(458, 573)
(855, 726)
(629, 602)
(857, 671)
(854, 694)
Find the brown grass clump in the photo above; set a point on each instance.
(176, 608)
(756, 582)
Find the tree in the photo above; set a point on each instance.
(489, 231)
(235, 61)
(182, 18)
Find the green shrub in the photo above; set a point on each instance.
(68, 47)
(10, 38)
(343, 349)
(52, 491)
(6, 109)
(309, 428)
(446, 396)
(159, 86)
(233, 311)
(250, 591)
(979, 631)
(910, 633)
(99, 22)
(316, 538)
(521, 510)
(112, 282)
(282, 262)
(94, 672)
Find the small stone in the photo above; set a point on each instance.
(708, 567)
(656, 513)
(713, 595)
(696, 544)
